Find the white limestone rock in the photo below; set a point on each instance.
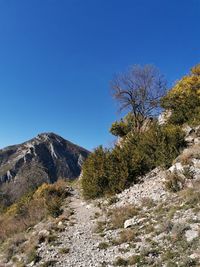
(191, 234)
(164, 116)
(130, 222)
(133, 221)
(177, 167)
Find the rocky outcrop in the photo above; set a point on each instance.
(58, 157)
(192, 135)
(188, 162)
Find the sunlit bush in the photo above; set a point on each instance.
(184, 99)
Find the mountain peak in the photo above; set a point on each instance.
(48, 134)
(59, 157)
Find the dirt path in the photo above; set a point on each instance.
(80, 238)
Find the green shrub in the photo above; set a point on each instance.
(111, 171)
(95, 174)
(118, 170)
(104, 172)
(158, 146)
(119, 128)
(124, 126)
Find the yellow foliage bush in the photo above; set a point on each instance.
(196, 70)
(12, 210)
(185, 86)
(58, 188)
(184, 99)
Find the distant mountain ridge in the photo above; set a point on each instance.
(59, 158)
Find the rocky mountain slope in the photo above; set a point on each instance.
(57, 156)
(153, 223)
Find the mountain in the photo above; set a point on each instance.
(58, 158)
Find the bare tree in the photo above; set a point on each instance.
(139, 91)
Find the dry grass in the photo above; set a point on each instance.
(147, 202)
(174, 182)
(119, 215)
(125, 236)
(188, 154)
(13, 245)
(32, 208)
(12, 222)
(100, 226)
(191, 196)
(20, 217)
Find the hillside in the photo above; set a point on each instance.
(152, 223)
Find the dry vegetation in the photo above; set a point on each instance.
(189, 154)
(119, 215)
(174, 182)
(32, 208)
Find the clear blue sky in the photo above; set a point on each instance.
(57, 58)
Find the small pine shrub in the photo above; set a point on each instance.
(124, 126)
(95, 174)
